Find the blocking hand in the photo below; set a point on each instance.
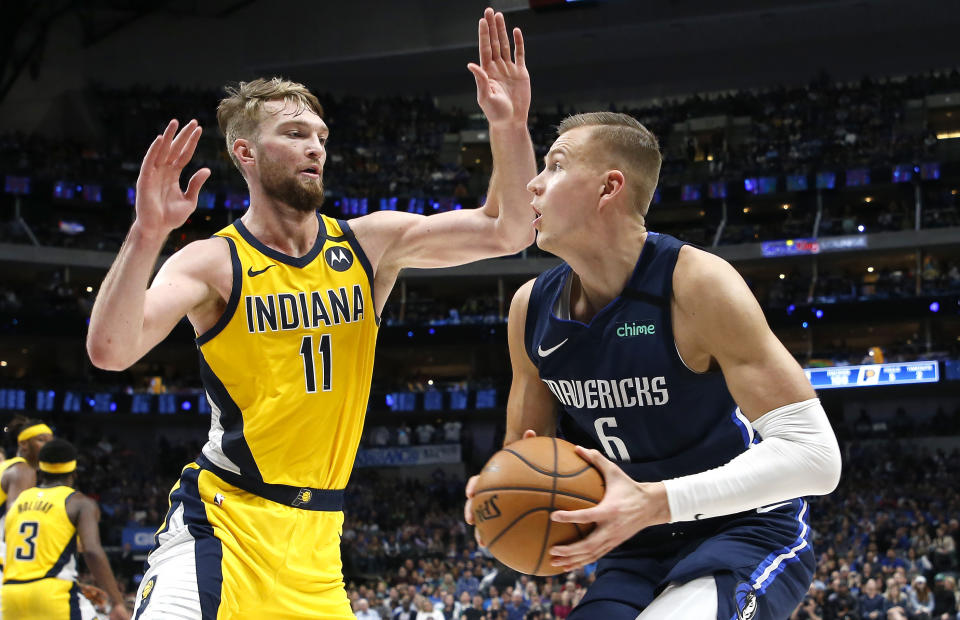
(503, 84)
(161, 205)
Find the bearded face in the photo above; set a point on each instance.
(294, 188)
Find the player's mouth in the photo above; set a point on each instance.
(538, 214)
(312, 172)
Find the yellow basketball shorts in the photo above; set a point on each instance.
(46, 599)
(223, 553)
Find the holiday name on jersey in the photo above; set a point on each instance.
(610, 393)
(303, 310)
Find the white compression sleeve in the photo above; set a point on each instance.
(798, 456)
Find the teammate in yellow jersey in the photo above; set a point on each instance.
(40, 582)
(20, 472)
(285, 304)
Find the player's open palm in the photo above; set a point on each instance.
(503, 83)
(627, 507)
(162, 205)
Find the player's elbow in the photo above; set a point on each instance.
(827, 469)
(105, 356)
(514, 239)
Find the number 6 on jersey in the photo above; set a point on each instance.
(309, 372)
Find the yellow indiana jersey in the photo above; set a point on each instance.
(41, 540)
(3, 468)
(287, 367)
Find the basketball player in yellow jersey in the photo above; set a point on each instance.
(41, 532)
(20, 472)
(285, 304)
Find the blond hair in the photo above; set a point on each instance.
(240, 112)
(627, 144)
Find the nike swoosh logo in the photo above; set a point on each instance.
(545, 352)
(252, 273)
(773, 507)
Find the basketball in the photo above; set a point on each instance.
(518, 489)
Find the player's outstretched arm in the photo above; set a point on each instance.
(126, 322)
(503, 92)
(87, 519)
(504, 225)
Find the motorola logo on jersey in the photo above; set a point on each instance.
(338, 257)
(610, 393)
(636, 328)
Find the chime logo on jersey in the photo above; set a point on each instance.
(636, 328)
(338, 257)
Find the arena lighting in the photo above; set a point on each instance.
(861, 228)
(818, 313)
(783, 276)
(805, 325)
(935, 306)
(949, 135)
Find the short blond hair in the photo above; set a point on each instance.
(627, 144)
(240, 112)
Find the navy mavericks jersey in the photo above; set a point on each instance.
(623, 387)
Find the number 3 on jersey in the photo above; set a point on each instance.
(309, 369)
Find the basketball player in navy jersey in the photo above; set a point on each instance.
(654, 357)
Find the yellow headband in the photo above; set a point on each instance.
(32, 431)
(58, 468)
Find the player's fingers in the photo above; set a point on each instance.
(176, 147)
(150, 159)
(166, 138)
(483, 82)
(478, 538)
(605, 465)
(490, 17)
(519, 53)
(188, 148)
(471, 487)
(196, 182)
(502, 37)
(587, 515)
(527, 434)
(483, 42)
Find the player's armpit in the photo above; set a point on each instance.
(530, 405)
(717, 317)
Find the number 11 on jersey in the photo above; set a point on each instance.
(309, 370)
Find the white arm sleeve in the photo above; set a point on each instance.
(798, 456)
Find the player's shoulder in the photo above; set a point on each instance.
(700, 275)
(201, 258)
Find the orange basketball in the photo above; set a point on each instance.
(518, 489)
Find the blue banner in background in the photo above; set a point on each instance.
(403, 456)
(900, 373)
(139, 538)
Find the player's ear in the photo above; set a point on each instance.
(612, 187)
(243, 150)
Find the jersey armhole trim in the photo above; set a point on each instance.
(234, 300)
(351, 240)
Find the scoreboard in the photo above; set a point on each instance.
(870, 375)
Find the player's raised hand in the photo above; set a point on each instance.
(503, 84)
(627, 507)
(161, 205)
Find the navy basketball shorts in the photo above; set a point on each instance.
(762, 562)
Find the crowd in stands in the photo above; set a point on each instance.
(395, 147)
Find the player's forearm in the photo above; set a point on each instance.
(798, 456)
(116, 322)
(507, 197)
(99, 566)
